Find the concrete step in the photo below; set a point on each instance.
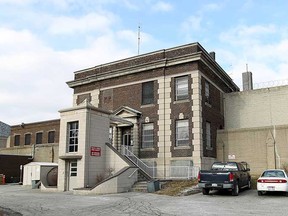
(140, 186)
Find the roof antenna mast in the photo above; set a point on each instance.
(138, 39)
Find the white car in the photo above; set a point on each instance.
(272, 180)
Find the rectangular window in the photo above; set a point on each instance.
(208, 135)
(207, 92)
(51, 136)
(181, 88)
(73, 136)
(182, 133)
(147, 135)
(39, 138)
(73, 168)
(16, 140)
(148, 93)
(111, 135)
(27, 139)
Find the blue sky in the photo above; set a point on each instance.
(42, 42)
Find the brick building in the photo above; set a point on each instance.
(39, 140)
(35, 133)
(173, 99)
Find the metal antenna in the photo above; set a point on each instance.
(138, 39)
(246, 67)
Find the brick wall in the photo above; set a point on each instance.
(33, 128)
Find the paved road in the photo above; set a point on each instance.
(34, 202)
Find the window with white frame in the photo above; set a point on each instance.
(181, 88)
(207, 92)
(73, 128)
(208, 135)
(73, 168)
(182, 132)
(147, 135)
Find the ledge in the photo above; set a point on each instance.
(67, 157)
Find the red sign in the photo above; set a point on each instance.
(95, 151)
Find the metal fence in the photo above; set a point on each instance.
(163, 172)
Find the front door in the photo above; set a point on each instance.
(126, 139)
(72, 175)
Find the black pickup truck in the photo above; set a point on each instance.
(225, 176)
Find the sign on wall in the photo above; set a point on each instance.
(231, 157)
(95, 151)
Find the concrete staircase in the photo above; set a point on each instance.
(140, 186)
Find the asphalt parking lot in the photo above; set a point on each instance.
(24, 201)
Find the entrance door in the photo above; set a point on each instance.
(126, 139)
(72, 175)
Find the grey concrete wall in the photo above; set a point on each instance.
(42, 153)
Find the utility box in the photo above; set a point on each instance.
(153, 186)
(33, 172)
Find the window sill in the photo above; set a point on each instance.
(67, 157)
(209, 148)
(181, 101)
(182, 147)
(208, 104)
(147, 105)
(147, 149)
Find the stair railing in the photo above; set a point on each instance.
(150, 171)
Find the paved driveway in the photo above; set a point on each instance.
(34, 202)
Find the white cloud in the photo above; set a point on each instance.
(246, 34)
(162, 6)
(93, 22)
(258, 46)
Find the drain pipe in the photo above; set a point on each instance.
(164, 73)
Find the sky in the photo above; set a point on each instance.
(43, 42)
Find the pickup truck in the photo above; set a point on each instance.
(225, 176)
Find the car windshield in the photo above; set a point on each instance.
(273, 173)
(225, 166)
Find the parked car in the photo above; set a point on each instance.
(272, 180)
(231, 176)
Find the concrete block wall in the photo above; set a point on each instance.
(262, 147)
(257, 108)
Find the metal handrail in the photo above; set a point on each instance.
(148, 170)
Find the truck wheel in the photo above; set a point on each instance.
(235, 190)
(260, 193)
(205, 191)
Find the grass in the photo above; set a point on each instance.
(174, 188)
